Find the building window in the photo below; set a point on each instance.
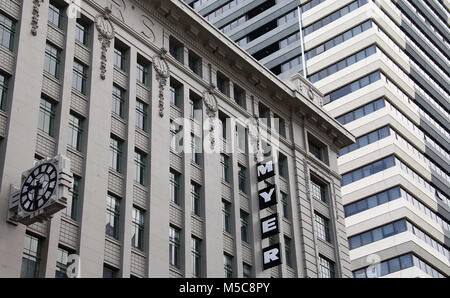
(176, 93)
(140, 165)
(326, 268)
(226, 216)
(280, 125)
(241, 138)
(285, 204)
(195, 198)
(372, 169)
(81, 32)
(317, 148)
(119, 58)
(239, 96)
(264, 114)
(174, 247)
(282, 166)
(75, 132)
(367, 139)
(318, 190)
(176, 49)
(141, 115)
(195, 144)
(55, 15)
(118, 101)
(137, 230)
(195, 63)
(7, 32)
(79, 78)
(322, 227)
(195, 107)
(362, 111)
(52, 60)
(242, 179)
(175, 187)
(47, 117)
(196, 251)
(288, 251)
(115, 154)
(228, 265)
(31, 258)
(223, 125)
(142, 74)
(175, 136)
(62, 263)
(71, 209)
(244, 227)
(225, 165)
(223, 84)
(3, 91)
(110, 272)
(247, 270)
(112, 216)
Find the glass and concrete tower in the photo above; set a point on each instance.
(383, 66)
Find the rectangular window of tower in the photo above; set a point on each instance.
(196, 198)
(244, 227)
(280, 125)
(228, 265)
(326, 268)
(137, 229)
(82, 32)
(175, 137)
(223, 84)
(242, 179)
(140, 166)
(239, 96)
(118, 101)
(317, 148)
(288, 251)
(285, 204)
(110, 272)
(142, 73)
(79, 79)
(322, 227)
(3, 91)
(71, 209)
(174, 247)
(47, 117)
(223, 125)
(318, 190)
(55, 15)
(195, 63)
(31, 257)
(264, 114)
(247, 270)
(112, 216)
(115, 150)
(7, 32)
(62, 262)
(282, 166)
(176, 93)
(196, 251)
(175, 191)
(195, 107)
(52, 60)
(225, 165)
(226, 214)
(141, 115)
(119, 57)
(176, 49)
(195, 149)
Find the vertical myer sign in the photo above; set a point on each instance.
(269, 225)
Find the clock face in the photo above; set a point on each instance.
(38, 187)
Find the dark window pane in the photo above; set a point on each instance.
(377, 234)
(394, 265)
(388, 230)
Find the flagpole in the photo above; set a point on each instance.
(300, 24)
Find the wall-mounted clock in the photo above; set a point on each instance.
(38, 187)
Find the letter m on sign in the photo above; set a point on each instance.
(265, 169)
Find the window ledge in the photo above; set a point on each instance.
(286, 220)
(196, 165)
(3, 113)
(175, 206)
(325, 243)
(112, 240)
(197, 217)
(142, 132)
(79, 94)
(69, 220)
(115, 173)
(178, 109)
(225, 183)
(46, 136)
(319, 201)
(228, 235)
(137, 251)
(86, 48)
(54, 27)
(142, 187)
(7, 51)
(143, 86)
(75, 151)
(118, 118)
(121, 71)
(243, 194)
(52, 78)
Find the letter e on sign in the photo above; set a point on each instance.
(271, 256)
(269, 226)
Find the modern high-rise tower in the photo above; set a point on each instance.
(383, 66)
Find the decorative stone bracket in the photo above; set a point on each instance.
(162, 74)
(35, 16)
(105, 29)
(210, 101)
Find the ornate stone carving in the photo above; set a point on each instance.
(211, 109)
(162, 73)
(105, 29)
(35, 16)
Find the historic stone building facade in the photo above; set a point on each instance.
(113, 85)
